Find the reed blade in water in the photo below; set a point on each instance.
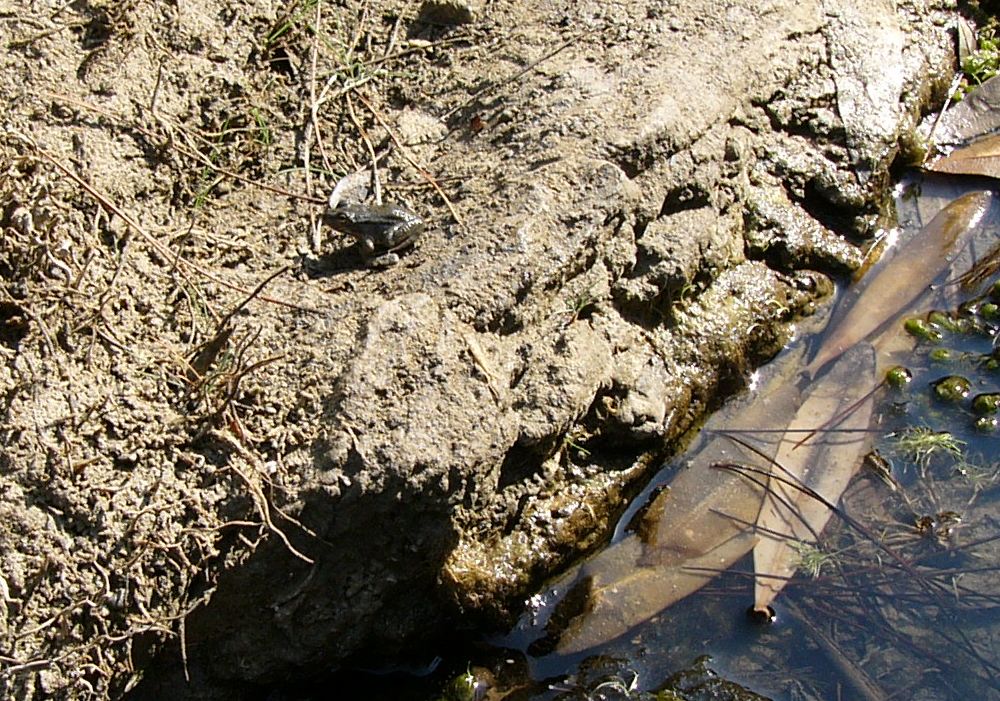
(698, 526)
(807, 478)
(897, 284)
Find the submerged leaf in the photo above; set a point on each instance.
(808, 476)
(699, 526)
(709, 518)
(880, 296)
(702, 521)
(626, 590)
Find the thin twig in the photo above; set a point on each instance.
(952, 89)
(794, 483)
(184, 650)
(260, 501)
(357, 33)
(376, 181)
(312, 129)
(406, 154)
(249, 298)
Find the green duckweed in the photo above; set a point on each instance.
(923, 330)
(898, 376)
(465, 687)
(947, 322)
(952, 388)
(985, 424)
(983, 404)
(943, 355)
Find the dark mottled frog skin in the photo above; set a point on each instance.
(381, 230)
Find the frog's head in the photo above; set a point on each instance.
(344, 218)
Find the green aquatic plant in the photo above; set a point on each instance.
(942, 355)
(985, 424)
(922, 329)
(465, 687)
(977, 475)
(948, 322)
(981, 64)
(987, 403)
(920, 445)
(951, 388)
(898, 377)
(812, 558)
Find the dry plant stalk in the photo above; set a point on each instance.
(159, 247)
(409, 158)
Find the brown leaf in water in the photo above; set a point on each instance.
(697, 527)
(980, 158)
(627, 589)
(704, 522)
(900, 281)
(693, 530)
(810, 472)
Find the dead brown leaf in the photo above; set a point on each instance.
(897, 284)
(981, 158)
(808, 478)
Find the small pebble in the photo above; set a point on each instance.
(450, 12)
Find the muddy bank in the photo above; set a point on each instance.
(232, 447)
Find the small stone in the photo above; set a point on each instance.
(448, 12)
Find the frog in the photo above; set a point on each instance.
(382, 230)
